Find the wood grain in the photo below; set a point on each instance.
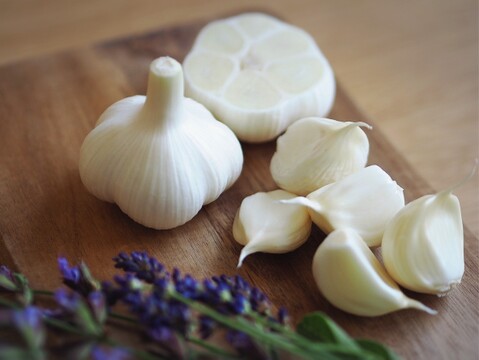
(51, 103)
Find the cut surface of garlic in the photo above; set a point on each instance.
(263, 224)
(351, 278)
(160, 158)
(314, 152)
(258, 75)
(364, 201)
(423, 245)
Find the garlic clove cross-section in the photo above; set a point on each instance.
(258, 75)
(314, 152)
(263, 224)
(364, 201)
(351, 278)
(160, 158)
(423, 245)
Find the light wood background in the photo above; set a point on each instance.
(411, 66)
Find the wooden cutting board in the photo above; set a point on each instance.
(47, 107)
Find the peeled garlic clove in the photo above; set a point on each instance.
(263, 224)
(160, 158)
(258, 75)
(364, 201)
(423, 245)
(314, 152)
(351, 278)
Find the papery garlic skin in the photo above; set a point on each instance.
(423, 245)
(263, 224)
(351, 278)
(258, 75)
(160, 158)
(314, 152)
(364, 201)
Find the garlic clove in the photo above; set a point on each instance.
(160, 158)
(364, 201)
(263, 224)
(423, 245)
(314, 152)
(351, 278)
(258, 75)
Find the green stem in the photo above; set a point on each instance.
(63, 326)
(9, 303)
(43, 292)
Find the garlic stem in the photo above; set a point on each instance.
(164, 96)
(354, 125)
(468, 177)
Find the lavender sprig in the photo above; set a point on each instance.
(175, 315)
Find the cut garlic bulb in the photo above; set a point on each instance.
(351, 278)
(364, 201)
(160, 158)
(314, 152)
(263, 224)
(423, 245)
(258, 75)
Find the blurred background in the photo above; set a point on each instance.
(412, 67)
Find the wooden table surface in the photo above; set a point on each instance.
(411, 68)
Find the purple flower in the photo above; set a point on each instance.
(243, 344)
(78, 278)
(143, 266)
(109, 353)
(29, 322)
(7, 280)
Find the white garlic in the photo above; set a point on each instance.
(160, 157)
(263, 224)
(364, 201)
(423, 245)
(351, 278)
(258, 75)
(314, 152)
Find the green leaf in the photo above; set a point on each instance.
(379, 350)
(319, 327)
(7, 284)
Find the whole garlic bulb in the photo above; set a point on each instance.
(258, 75)
(314, 152)
(351, 278)
(364, 201)
(160, 158)
(263, 224)
(423, 245)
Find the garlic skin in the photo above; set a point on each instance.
(314, 152)
(423, 245)
(364, 202)
(160, 158)
(258, 75)
(263, 224)
(351, 278)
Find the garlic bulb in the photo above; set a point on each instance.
(263, 224)
(258, 75)
(364, 201)
(351, 278)
(314, 152)
(160, 157)
(423, 245)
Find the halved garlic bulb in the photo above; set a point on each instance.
(160, 157)
(314, 152)
(364, 202)
(263, 224)
(351, 278)
(258, 75)
(423, 245)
